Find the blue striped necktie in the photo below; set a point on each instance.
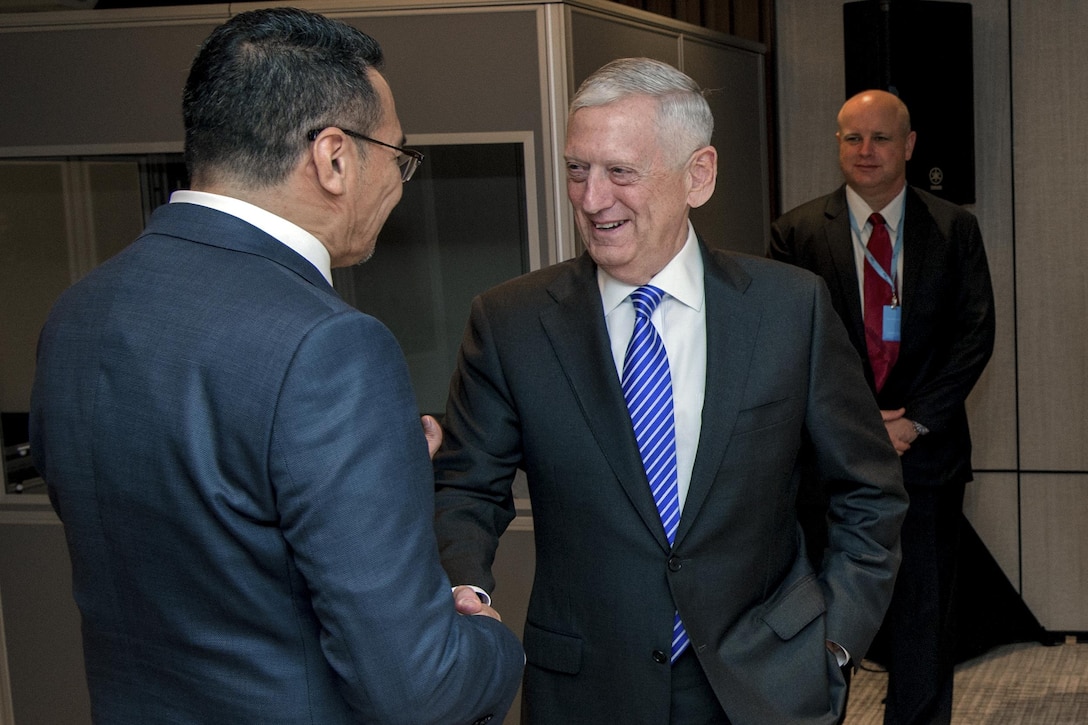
(647, 388)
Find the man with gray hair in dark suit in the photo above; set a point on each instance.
(658, 393)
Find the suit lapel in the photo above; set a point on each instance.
(576, 329)
(919, 232)
(839, 239)
(731, 330)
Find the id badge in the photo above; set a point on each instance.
(892, 318)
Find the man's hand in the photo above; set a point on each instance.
(432, 431)
(467, 601)
(900, 429)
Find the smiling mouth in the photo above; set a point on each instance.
(608, 226)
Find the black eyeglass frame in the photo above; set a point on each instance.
(408, 161)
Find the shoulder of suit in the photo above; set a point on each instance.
(752, 268)
(814, 210)
(565, 275)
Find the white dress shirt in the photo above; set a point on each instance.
(680, 320)
(861, 230)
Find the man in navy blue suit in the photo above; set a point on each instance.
(236, 454)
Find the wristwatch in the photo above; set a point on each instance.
(919, 428)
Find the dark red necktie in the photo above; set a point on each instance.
(878, 294)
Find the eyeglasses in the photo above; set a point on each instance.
(408, 159)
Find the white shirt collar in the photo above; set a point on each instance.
(682, 278)
(861, 211)
(288, 233)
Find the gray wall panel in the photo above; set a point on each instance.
(461, 72)
(123, 84)
(115, 85)
(1050, 83)
(811, 86)
(1055, 549)
(991, 504)
(41, 627)
(597, 39)
(992, 406)
(741, 201)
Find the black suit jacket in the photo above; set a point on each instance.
(948, 316)
(536, 388)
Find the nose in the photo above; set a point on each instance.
(866, 147)
(595, 193)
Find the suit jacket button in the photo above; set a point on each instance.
(675, 564)
(660, 657)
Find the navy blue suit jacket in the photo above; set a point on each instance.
(237, 458)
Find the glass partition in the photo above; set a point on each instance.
(466, 222)
(462, 226)
(59, 218)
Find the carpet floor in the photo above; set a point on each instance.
(1016, 684)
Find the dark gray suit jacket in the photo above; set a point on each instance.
(948, 316)
(536, 388)
(237, 459)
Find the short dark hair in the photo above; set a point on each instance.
(265, 78)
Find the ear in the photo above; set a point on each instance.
(703, 174)
(911, 137)
(332, 155)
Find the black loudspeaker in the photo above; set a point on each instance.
(921, 51)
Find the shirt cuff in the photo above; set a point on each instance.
(484, 596)
(841, 655)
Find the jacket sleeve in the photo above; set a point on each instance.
(862, 474)
(968, 333)
(475, 469)
(354, 490)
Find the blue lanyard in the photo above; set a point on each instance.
(887, 276)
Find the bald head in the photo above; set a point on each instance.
(875, 143)
(880, 101)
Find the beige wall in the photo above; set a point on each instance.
(1029, 501)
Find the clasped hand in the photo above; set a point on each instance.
(900, 429)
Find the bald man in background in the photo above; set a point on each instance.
(908, 276)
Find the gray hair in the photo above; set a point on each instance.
(684, 120)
